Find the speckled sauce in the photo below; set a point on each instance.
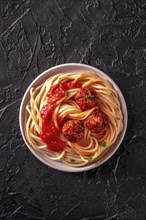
(36, 35)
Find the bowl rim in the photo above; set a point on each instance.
(96, 163)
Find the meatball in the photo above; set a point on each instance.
(73, 130)
(97, 122)
(86, 98)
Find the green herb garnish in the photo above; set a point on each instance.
(72, 160)
(89, 158)
(117, 109)
(111, 94)
(88, 97)
(66, 93)
(103, 143)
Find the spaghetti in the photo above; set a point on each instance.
(54, 107)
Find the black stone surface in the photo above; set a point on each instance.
(36, 35)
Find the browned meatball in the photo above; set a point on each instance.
(97, 122)
(86, 98)
(73, 130)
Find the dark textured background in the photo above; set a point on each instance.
(36, 35)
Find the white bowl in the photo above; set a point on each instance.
(75, 68)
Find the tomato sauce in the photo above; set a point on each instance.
(58, 90)
(50, 134)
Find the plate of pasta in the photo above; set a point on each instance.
(73, 117)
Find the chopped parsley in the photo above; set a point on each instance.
(117, 109)
(72, 160)
(103, 143)
(111, 94)
(88, 97)
(89, 158)
(66, 93)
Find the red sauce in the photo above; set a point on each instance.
(50, 134)
(58, 91)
